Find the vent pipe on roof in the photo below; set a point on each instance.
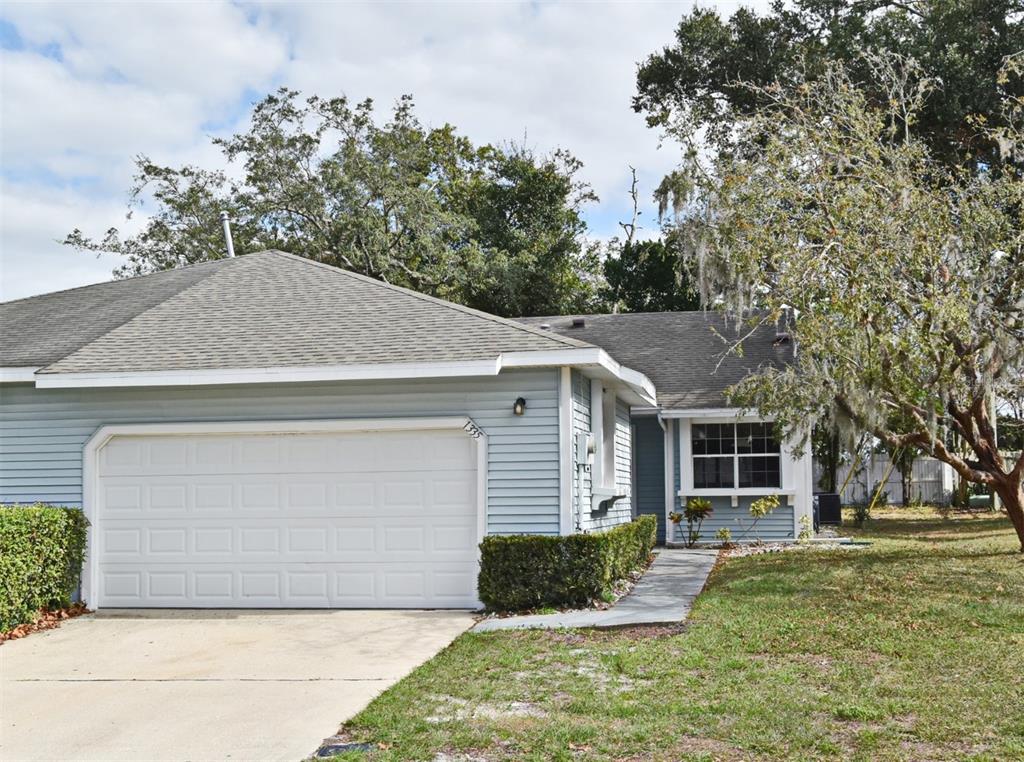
(226, 222)
(578, 322)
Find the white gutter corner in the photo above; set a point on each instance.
(18, 375)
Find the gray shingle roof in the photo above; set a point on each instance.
(42, 329)
(268, 309)
(681, 352)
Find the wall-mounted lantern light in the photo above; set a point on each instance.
(519, 406)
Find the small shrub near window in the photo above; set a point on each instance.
(760, 508)
(724, 536)
(520, 572)
(806, 529)
(695, 511)
(42, 548)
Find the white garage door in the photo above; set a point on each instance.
(357, 519)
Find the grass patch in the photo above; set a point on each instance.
(906, 649)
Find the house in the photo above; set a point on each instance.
(268, 431)
(692, 443)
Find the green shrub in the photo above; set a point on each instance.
(531, 571)
(42, 548)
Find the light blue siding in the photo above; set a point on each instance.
(649, 488)
(621, 511)
(775, 527)
(42, 431)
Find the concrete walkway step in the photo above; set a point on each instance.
(662, 596)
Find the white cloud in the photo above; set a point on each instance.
(33, 221)
(146, 78)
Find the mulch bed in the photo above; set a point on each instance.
(46, 620)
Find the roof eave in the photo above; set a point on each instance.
(18, 374)
(637, 388)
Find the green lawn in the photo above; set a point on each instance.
(909, 649)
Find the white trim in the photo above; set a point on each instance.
(17, 375)
(685, 457)
(803, 468)
(731, 413)
(792, 471)
(202, 377)
(592, 357)
(597, 479)
(90, 472)
(637, 383)
(566, 445)
(670, 479)
(752, 418)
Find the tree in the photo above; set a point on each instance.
(647, 276)
(701, 80)
(826, 446)
(526, 212)
(497, 228)
(901, 278)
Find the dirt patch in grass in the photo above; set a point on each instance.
(453, 709)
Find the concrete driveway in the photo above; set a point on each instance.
(205, 685)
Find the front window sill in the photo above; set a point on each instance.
(737, 492)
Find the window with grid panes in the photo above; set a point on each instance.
(730, 455)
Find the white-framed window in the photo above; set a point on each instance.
(733, 455)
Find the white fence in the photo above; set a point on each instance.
(932, 480)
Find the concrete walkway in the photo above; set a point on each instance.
(663, 596)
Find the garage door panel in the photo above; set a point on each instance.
(445, 493)
(362, 519)
(213, 540)
(312, 586)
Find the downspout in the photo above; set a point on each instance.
(580, 469)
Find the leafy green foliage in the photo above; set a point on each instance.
(763, 506)
(647, 276)
(494, 228)
(695, 511)
(898, 277)
(700, 81)
(532, 571)
(42, 548)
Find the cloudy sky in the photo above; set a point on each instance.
(87, 86)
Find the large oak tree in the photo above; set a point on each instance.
(700, 81)
(899, 276)
(494, 227)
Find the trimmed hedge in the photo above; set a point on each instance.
(532, 571)
(42, 548)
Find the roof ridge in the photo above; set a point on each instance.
(222, 260)
(508, 322)
(137, 315)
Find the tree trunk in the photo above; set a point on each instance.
(906, 484)
(1012, 495)
(833, 462)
